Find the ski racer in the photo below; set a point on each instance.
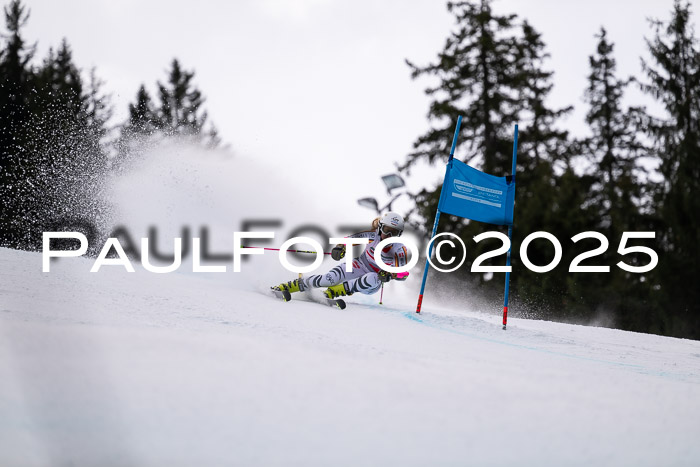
(366, 277)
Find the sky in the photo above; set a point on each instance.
(319, 89)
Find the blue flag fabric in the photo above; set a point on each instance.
(475, 195)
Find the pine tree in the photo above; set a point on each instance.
(674, 80)
(14, 63)
(177, 112)
(475, 79)
(142, 116)
(542, 141)
(180, 111)
(614, 146)
(616, 192)
(61, 77)
(98, 108)
(62, 186)
(475, 76)
(491, 71)
(52, 132)
(551, 195)
(139, 132)
(15, 115)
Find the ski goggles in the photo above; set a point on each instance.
(389, 231)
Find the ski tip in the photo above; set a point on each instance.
(336, 303)
(283, 295)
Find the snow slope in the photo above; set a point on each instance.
(120, 369)
(142, 369)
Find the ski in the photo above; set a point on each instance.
(282, 295)
(337, 303)
(286, 296)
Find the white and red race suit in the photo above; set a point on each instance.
(364, 276)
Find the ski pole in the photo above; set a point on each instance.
(277, 249)
(381, 295)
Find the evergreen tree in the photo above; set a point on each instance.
(614, 147)
(53, 162)
(550, 195)
(98, 108)
(139, 131)
(69, 126)
(15, 78)
(616, 191)
(476, 80)
(674, 79)
(542, 141)
(14, 67)
(142, 116)
(180, 112)
(59, 79)
(177, 112)
(492, 72)
(476, 77)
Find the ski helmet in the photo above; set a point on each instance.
(391, 224)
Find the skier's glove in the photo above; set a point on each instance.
(401, 276)
(384, 276)
(338, 252)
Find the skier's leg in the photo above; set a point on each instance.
(367, 284)
(335, 276)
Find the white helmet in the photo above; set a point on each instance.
(391, 224)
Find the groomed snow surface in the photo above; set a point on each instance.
(183, 369)
(113, 368)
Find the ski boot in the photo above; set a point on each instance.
(335, 291)
(297, 285)
(285, 289)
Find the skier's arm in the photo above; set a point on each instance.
(400, 259)
(338, 252)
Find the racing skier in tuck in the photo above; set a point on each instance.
(366, 277)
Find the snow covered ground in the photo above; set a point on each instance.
(124, 369)
(180, 369)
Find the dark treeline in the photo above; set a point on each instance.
(492, 71)
(56, 145)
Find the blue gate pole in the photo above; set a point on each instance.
(437, 214)
(510, 231)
